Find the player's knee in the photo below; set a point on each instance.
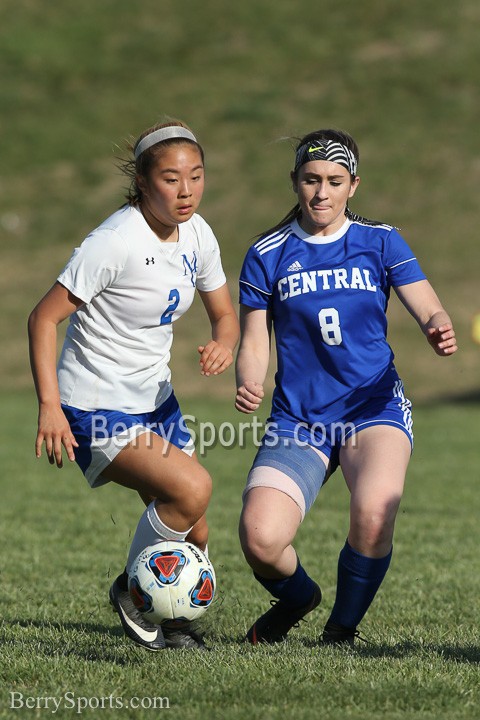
(373, 531)
(259, 546)
(195, 496)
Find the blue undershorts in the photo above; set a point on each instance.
(101, 434)
(294, 469)
(283, 463)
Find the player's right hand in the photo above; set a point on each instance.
(55, 432)
(249, 396)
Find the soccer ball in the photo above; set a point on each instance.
(172, 583)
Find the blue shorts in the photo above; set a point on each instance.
(101, 434)
(387, 407)
(281, 463)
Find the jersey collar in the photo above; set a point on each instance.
(320, 239)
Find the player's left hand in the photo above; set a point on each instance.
(442, 339)
(214, 358)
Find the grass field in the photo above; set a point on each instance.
(62, 543)
(77, 81)
(401, 76)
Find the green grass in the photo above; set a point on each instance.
(402, 77)
(62, 544)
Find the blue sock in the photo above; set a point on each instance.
(359, 578)
(294, 591)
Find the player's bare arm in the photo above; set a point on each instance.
(422, 302)
(53, 427)
(217, 355)
(253, 358)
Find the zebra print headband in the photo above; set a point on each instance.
(326, 150)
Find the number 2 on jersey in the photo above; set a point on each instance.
(329, 320)
(173, 299)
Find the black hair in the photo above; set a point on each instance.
(146, 160)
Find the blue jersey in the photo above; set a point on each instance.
(328, 298)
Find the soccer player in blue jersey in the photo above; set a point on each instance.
(110, 404)
(321, 279)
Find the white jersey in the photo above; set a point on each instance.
(117, 347)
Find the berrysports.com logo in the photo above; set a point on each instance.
(205, 435)
(81, 703)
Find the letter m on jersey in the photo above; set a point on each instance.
(190, 266)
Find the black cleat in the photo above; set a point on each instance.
(334, 634)
(184, 637)
(273, 626)
(135, 626)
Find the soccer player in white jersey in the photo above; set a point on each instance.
(321, 278)
(110, 405)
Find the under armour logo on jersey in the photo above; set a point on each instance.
(150, 260)
(190, 267)
(294, 266)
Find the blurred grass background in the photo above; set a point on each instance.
(78, 80)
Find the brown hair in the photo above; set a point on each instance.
(317, 135)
